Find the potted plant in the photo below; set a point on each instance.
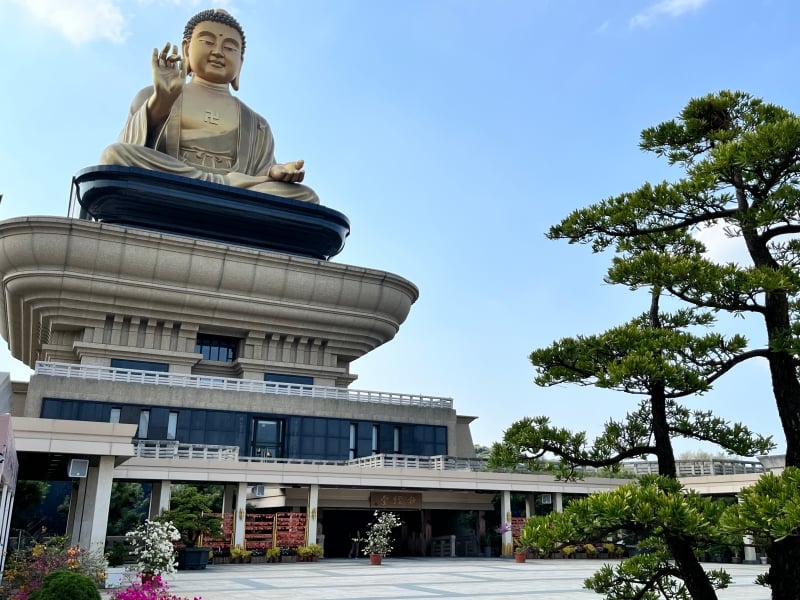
(189, 513)
(303, 553)
(525, 544)
(240, 554)
(116, 564)
(378, 540)
(273, 554)
(314, 552)
(487, 542)
(151, 544)
(288, 554)
(222, 556)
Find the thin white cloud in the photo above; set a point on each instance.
(86, 21)
(666, 8)
(721, 247)
(79, 21)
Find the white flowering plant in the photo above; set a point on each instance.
(379, 534)
(151, 544)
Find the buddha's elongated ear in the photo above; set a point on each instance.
(185, 54)
(235, 82)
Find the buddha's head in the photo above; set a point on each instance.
(213, 47)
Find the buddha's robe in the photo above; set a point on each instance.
(248, 150)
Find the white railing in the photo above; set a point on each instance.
(100, 373)
(410, 461)
(699, 467)
(291, 461)
(176, 451)
(179, 451)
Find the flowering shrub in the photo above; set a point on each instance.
(151, 544)
(148, 588)
(379, 534)
(502, 528)
(26, 569)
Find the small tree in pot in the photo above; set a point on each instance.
(189, 513)
(378, 541)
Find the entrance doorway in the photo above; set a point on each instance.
(340, 526)
(267, 438)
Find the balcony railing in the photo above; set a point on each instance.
(700, 467)
(409, 461)
(207, 382)
(178, 451)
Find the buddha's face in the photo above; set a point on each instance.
(214, 52)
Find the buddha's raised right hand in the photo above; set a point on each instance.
(169, 77)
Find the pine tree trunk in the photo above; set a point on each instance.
(784, 572)
(692, 572)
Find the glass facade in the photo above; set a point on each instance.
(278, 435)
(217, 347)
(283, 378)
(139, 365)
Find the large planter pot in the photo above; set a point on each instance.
(114, 576)
(192, 559)
(519, 557)
(375, 559)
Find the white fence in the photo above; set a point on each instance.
(178, 451)
(700, 467)
(207, 382)
(409, 461)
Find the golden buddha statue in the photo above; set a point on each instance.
(198, 129)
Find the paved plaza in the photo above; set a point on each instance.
(417, 578)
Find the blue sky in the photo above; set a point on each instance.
(452, 133)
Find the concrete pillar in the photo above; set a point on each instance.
(426, 530)
(228, 498)
(96, 503)
(480, 529)
(311, 518)
(116, 329)
(272, 351)
(150, 334)
(6, 506)
(239, 515)
(530, 505)
(76, 512)
(750, 557)
(73, 508)
(558, 502)
(159, 498)
(505, 511)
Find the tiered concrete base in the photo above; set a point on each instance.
(81, 291)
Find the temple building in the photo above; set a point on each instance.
(167, 354)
